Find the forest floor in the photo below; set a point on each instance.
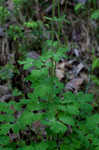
(78, 32)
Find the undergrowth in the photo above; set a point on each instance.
(49, 118)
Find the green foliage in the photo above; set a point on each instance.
(4, 13)
(95, 15)
(15, 32)
(95, 63)
(78, 7)
(67, 119)
(6, 72)
(95, 68)
(95, 79)
(31, 24)
(68, 116)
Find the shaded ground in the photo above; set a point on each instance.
(79, 33)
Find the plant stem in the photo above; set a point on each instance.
(53, 15)
(59, 24)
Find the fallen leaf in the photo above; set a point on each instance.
(84, 77)
(10, 4)
(79, 68)
(62, 2)
(74, 84)
(33, 55)
(60, 70)
(59, 74)
(76, 52)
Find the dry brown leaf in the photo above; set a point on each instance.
(59, 74)
(61, 66)
(62, 2)
(60, 70)
(79, 68)
(38, 127)
(74, 84)
(76, 52)
(10, 5)
(84, 77)
(33, 55)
